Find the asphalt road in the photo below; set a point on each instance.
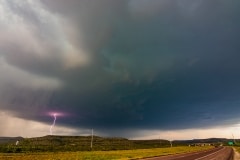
(220, 153)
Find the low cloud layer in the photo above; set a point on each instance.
(126, 65)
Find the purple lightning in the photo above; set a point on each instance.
(55, 114)
(54, 121)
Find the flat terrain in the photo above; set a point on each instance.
(220, 153)
(101, 155)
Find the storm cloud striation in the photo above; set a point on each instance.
(121, 65)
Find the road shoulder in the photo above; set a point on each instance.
(236, 154)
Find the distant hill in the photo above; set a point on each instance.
(99, 143)
(208, 140)
(79, 143)
(4, 140)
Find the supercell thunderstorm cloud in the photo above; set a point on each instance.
(121, 66)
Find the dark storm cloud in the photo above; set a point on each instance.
(138, 64)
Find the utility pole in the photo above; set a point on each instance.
(160, 143)
(233, 139)
(92, 139)
(170, 143)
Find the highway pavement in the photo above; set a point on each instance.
(220, 153)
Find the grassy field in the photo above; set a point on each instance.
(100, 155)
(237, 148)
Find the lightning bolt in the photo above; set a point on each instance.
(53, 124)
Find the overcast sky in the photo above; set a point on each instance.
(129, 68)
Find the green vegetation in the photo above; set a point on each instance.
(101, 155)
(78, 143)
(78, 147)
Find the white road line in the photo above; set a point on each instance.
(209, 154)
(181, 156)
